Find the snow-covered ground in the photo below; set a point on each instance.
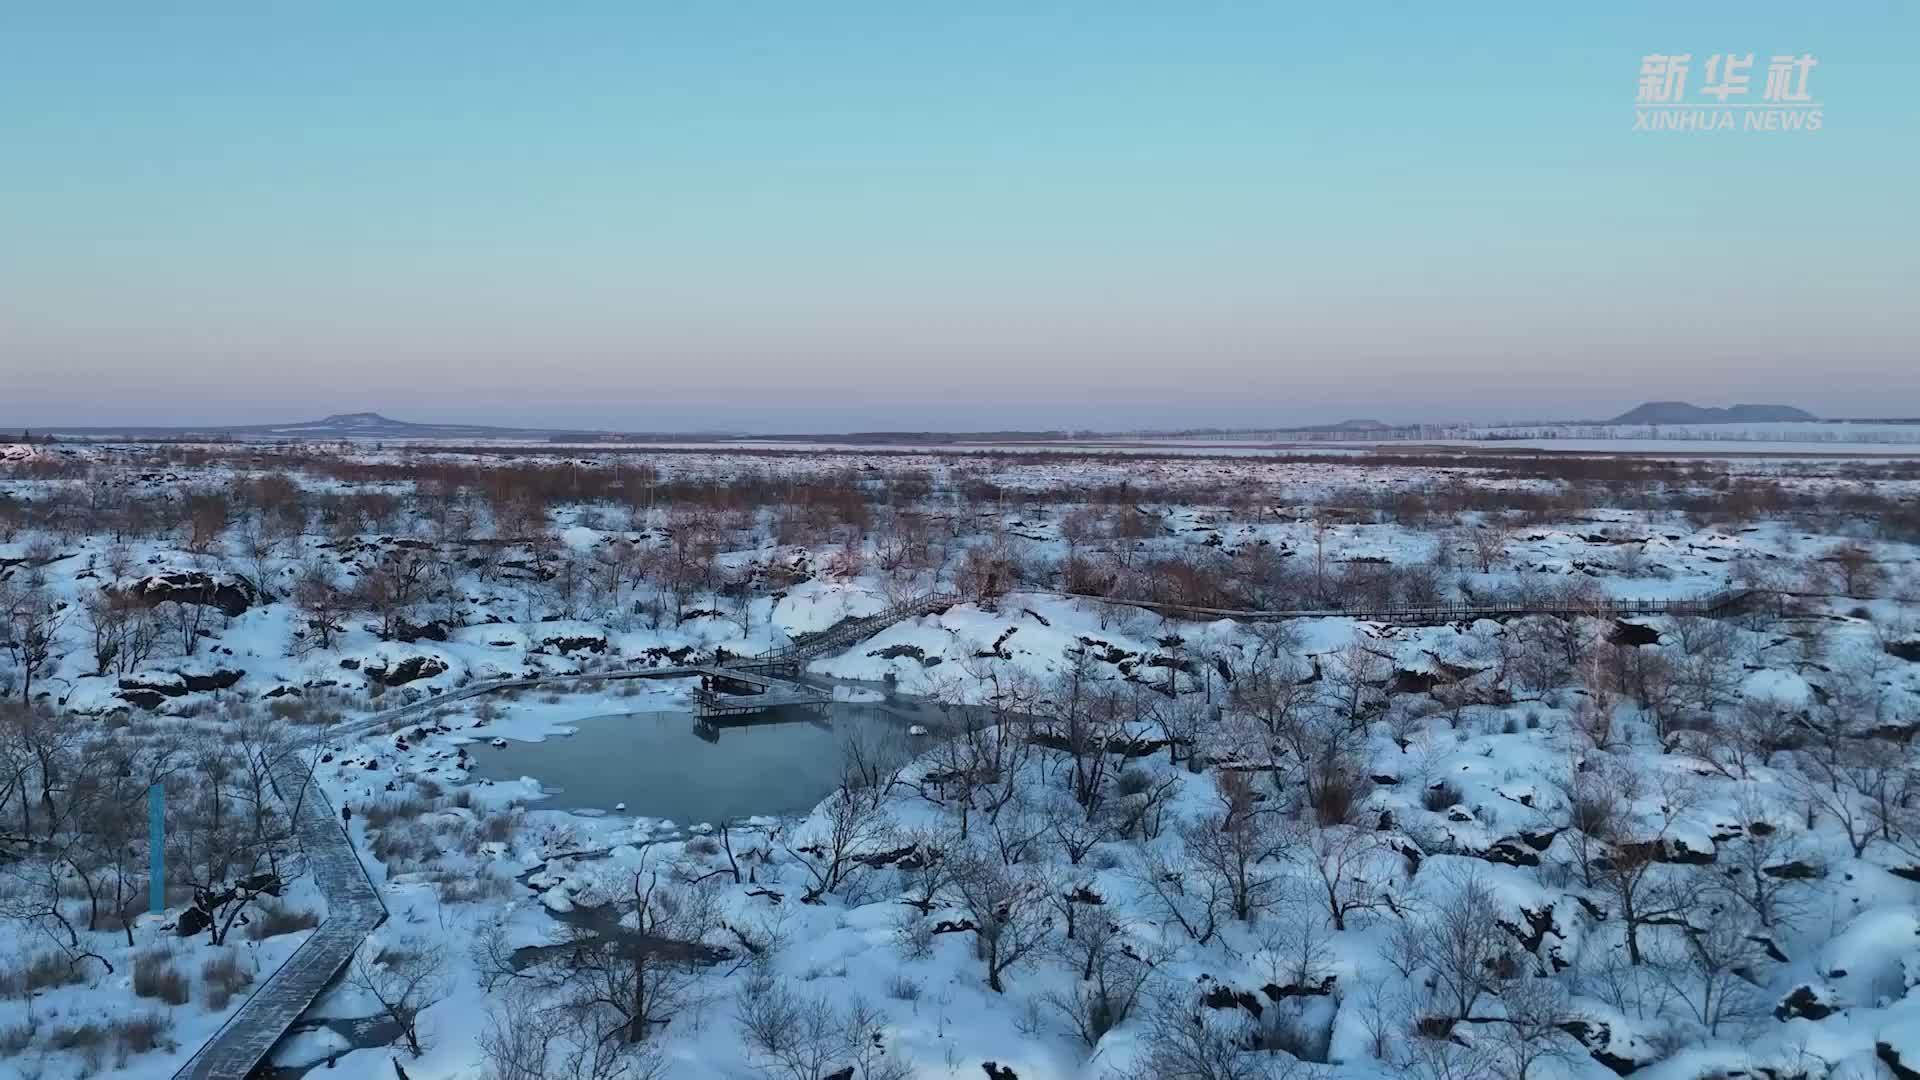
(1168, 847)
(1786, 438)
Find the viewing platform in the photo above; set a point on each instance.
(734, 692)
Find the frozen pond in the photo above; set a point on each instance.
(668, 765)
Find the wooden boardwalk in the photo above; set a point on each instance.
(797, 655)
(354, 908)
(1710, 604)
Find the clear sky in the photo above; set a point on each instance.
(830, 215)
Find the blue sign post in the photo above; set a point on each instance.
(157, 852)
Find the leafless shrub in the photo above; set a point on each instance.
(498, 827)
(913, 934)
(15, 1039)
(404, 846)
(1440, 796)
(80, 1036)
(1184, 1041)
(468, 887)
(271, 918)
(804, 1037)
(1336, 798)
(1132, 782)
(903, 987)
(383, 812)
(154, 976)
(222, 976)
(46, 971)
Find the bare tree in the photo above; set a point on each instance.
(230, 859)
(1707, 963)
(1354, 686)
(1194, 902)
(1489, 540)
(1073, 830)
(1752, 735)
(852, 820)
(1593, 796)
(37, 753)
(1348, 874)
(1181, 720)
(404, 980)
(30, 621)
(1643, 888)
(1854, 568)
(393, 589)
(519, 1038)
(1235, 846)
(322, 605)
(1077, 527)
(206, 518)
(1455, 948)
(1113, 977)
(109, 850)
(1843, 780)
(1273, 690)
(123, 630)
(976, 773)
(1764, 867)
(529, 1037)
(1085, 719)
(1015, 831)
(257, 547)
(1005, 907)
(31, 895)
(640, 974)
(1531, 1030)
(50, 773)
(1431, 1056)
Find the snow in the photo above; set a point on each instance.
(1511, 763)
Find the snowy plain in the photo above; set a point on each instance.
(1470, 758)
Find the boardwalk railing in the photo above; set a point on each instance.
(847, 633)
(1711, 604)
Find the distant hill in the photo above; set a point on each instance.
(359, 425)
(1350, 425)
(372, 425)
(1679, 412)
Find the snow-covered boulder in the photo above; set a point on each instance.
(230, 593)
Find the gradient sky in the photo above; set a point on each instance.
(823, 216)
